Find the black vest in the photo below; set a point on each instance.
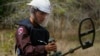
(36, 33)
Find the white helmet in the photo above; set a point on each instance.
(42, 5)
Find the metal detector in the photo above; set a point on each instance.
(87, 44)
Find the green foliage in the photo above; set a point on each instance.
(10, 11)
(3, 8)
(74, 10)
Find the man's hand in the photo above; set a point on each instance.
(51, 47)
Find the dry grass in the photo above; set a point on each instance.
(93, 51)
(64, 44)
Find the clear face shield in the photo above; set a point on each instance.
(45, 21)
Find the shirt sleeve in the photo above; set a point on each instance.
(24, 43)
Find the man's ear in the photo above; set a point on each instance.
(31, 15)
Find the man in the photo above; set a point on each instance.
(30, 33)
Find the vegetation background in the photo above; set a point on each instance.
(63, 24)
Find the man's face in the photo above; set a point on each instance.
(41, 16)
